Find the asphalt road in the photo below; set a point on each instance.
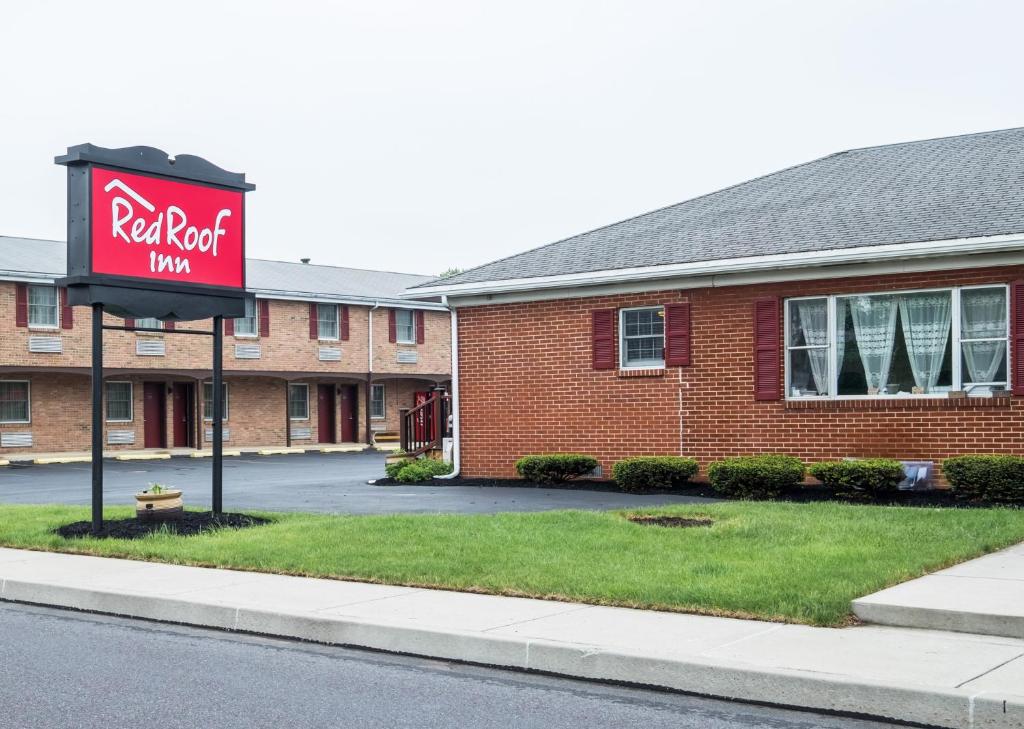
(65, 669)
(318, 482)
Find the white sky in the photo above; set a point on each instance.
(414, 135)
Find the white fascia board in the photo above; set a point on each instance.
(350, 300)
(748, 264)
(944, 263)
(29, 277)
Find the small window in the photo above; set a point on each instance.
(119, 402)
(327, 321)
(248, 325)
(148, 323)
(208, 400)
(377, 402)
(298, 402)
(642, 337)
(405, 326)
(43, 310)
(14, 402)
(983, 338)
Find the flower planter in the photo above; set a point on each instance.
(163, 506)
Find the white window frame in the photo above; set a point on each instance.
(56, 307)
(957, 343)
(28, 402)
(383, 403)
(320, 323)
(411, 339)
(622, 339)
(244, 321)
(208, 414)
(305, 387)
(158, 325)
(131, 401)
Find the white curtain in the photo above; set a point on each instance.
(984, 316)
(926, 318)
(874, 323)
(813, 314)
(840, 335)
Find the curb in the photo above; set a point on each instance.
(949, 708)
(209, 454)
(143, 457)
(958, 621)
(279, 451)
(62, 459)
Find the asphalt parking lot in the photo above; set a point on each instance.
(330, 483)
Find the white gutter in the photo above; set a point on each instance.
(863, 254)
(456, 426)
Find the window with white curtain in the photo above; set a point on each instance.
(247, 325)
(42, 307)
(327, 321)
(377, 402)
(405, 326)
(148, 323)
(913, 343)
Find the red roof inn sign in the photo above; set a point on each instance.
(151, 236)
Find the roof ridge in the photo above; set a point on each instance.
(934, 139)
(346, 268)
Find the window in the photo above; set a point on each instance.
(911, 343)
(43, 307)
(377, 401)
(248, 325)
(208, 400)
(14, 402)
(298, 402)
(149, 323)
(642, 337)
(119, 402)
(327, 321)
(405, 326)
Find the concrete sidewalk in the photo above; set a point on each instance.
(984, 595)
(157, 454)
(929, 677)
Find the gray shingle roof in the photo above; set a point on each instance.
(935, 189)
(48, 258)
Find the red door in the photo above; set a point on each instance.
(348, 414)
(181, 411)
(154, 415)
(325, 412)
(422, 418)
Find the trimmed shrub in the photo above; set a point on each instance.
(986, 478)
(392, 469)
(644, 473)
(422, 469)
(555, 467)
(867, 478)
(756, 477)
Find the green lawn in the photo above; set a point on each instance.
(793, 562)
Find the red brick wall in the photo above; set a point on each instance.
(527, 386)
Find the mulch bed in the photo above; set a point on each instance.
(936, 498)
(191, 522)
(668, 521)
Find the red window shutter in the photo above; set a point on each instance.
(229, 326)
(603, 339)
(21, 305)
(129, 323)
(421, 327)
(766, 349)
(677, 334)
(169, 326)
(67, 314)
(314, 327)
(343, 322)
(264, 307)
(1017, 336)
(392, 326)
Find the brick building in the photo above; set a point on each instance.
(870, 303)
(298, 367)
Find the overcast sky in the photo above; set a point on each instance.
(414, 136)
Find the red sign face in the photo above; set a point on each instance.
(166, 230)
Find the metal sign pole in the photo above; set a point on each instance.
(218, 415)
(97, 418)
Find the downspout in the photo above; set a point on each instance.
(456, 427)
(369, 374)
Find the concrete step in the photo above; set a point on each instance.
(982, 596)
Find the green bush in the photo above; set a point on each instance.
(644, 473)
(392, 469)
(867, 478)
(986, 478)
(555, 467)
(756, 477)
(422, 469)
